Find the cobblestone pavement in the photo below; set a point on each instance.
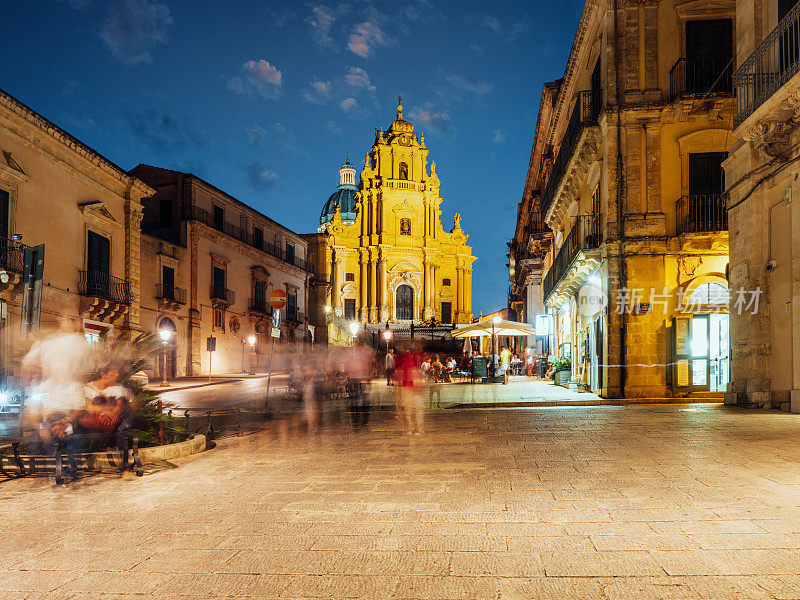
(597, 502)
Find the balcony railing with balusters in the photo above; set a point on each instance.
(99, 284)
(702, 213)
(701, 75)
(171, 293)
(584, 235)
(584, 114)
(222, 294)
(774, 62)
(197, 213)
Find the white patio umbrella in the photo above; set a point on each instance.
(489, 327)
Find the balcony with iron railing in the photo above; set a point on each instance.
(585, 235)
(706, 213)
(221, 295)
(170, 293)
(584, 114)
(99, 284)
(197, 213)
(12, 256)
(772, 64)
(701, 75)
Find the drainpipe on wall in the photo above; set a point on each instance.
(623, 274)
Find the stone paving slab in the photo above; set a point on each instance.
(655, 502)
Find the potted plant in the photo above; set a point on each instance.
(561, 370)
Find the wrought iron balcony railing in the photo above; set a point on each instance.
(701, 75)
(12, 256)
(171, 293)
(197, 213)
(701, 213)
(99, 284)
(774, 62)
(584, 114)
(222, 294)
(584, 235)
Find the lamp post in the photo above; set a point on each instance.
(387, 335)
(252, 341)
(165, 334)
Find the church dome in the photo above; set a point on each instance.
(344, 197)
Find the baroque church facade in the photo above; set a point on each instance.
(381, 253)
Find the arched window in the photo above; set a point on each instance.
(710, 293)
(404, 303)
(403, 171)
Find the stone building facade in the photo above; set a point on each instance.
(210, 263)
(381, 254)
(633, 193)
(529, 249)
(763, 181)
(57, 191)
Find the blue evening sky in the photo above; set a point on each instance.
(264, 98)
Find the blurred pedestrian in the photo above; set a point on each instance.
(505, 363)
(390, 367)
(408, 394)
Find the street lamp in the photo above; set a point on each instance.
(387, 335)
(252, 341)
(165, 334)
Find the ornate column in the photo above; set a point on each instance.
(459, 291)
(467, 294)
(133, 248)
(335, 263)
(384, 312)
(363, 283)
(373, 285)
(426, 312)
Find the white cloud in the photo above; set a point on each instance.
(318, 91)
(321, 21)
(435, 118)
(498, 137)
(257, 76)
(510, 32)
(261, 177)
(334, 128)
(492, 23)
(133, 27)
(467, 83)
(348, 104)
(349, 90)
(368, 36)
(358, 78)
(256, 134)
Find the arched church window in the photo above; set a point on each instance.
(403, 171)
(404, 303)
(405, 226)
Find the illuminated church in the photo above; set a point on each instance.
(381, 254)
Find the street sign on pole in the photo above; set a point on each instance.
(276, 333)
(277, 299)
(276, 319)
(32, 274)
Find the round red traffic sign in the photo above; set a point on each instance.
(277, 299)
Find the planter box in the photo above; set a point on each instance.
(562, 377)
